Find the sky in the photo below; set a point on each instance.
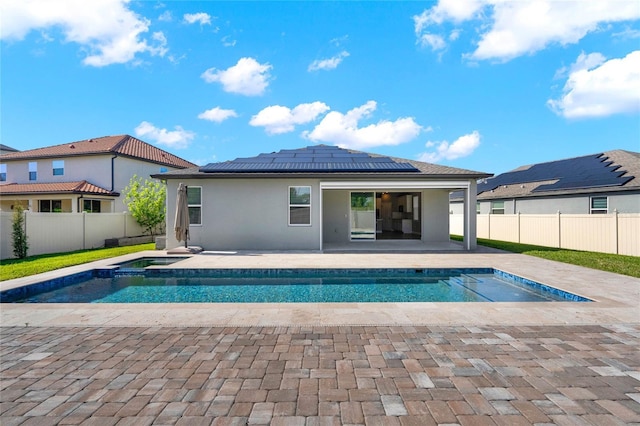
(485, 85)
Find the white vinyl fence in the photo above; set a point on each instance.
(60, 232)
(617, 233)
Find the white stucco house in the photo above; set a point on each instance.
(317, 196)
(87, 175)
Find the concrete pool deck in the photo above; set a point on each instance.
(616, 297)
(423, 364)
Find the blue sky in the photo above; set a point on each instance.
(481, 85)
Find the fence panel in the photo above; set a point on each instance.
(504, 227)
(456, 224)
(6, 232)
(540, 230)
(60, 232)
(99, 227)
(54, 232)
(609, 233)
(588, 232)
(629, 234)
(482, 226)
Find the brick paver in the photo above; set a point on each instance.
(320, 375)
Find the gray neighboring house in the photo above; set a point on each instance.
(592, 184)
(305, 199)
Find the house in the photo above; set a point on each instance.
(88, 175)
(312, 197)
(4, 149)
(592, 184)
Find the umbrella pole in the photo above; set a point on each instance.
(186, 238)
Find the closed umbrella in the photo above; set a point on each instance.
(182, 215)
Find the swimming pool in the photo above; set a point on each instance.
(162, 285)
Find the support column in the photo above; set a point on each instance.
(470, 216)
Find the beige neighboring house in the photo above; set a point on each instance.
(82, 176)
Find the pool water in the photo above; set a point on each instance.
(298, 286)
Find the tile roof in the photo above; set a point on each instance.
(611, 170)
(323, 160)
(80, 187)
(122, 145)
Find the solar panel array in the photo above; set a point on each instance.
(582, 172)
(321, 158)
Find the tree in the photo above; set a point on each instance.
(146, 202)
(19, 234)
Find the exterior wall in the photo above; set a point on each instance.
(579, 204)
(435, 215)
(95, 169)
(335, 213)
(247, 214)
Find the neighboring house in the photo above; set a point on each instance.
(6, 149)
(302, 199)
(88, 175)
(592, 184)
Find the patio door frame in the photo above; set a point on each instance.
(351, 218)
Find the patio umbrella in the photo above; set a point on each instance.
(181, 225)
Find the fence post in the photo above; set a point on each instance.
(84, 230)
(615, 212)
(559, 231)
(518, 227)
(124, 215)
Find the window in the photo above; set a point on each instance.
(163, 170)
(194, 200)
(58, 167)
(599, 205)
(478, 207)
(33, 170)
(3, 172)
(497, 207)
(91, 206)
(299, 206)
(50, 206)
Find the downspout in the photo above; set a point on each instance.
(113, 173)
(79, 210)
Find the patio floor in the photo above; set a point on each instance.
(316, 364)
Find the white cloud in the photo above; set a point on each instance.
(201, 18)
(108, 30)
(328, 64)
(217, 114)
(598, 88)
(278, 119)
(176, 139)
(248, 77)
(509, 29)
(342, 129)
(461, 147)
(165, 16)
(227, 41)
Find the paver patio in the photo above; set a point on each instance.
(465, 364)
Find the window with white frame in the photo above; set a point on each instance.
(599, 205)
(478, 207)
(91, 206)
(299, 206)
(50, 206)
(58, 167)
(497, 207)
(3, 172)
(194, 200)
(33, 170)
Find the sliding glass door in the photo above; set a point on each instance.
(363, 216)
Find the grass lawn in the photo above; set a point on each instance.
(17, 268)
(625, 265)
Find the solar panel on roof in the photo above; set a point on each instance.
(574, 173)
